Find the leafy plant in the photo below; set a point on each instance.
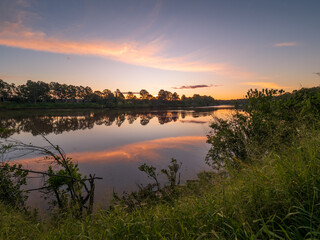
(152, 192)
(272, 120)
(72, 192)
(12, 178)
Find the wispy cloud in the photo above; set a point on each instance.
(286, 44)
(263, 84)
(196, 86)
(131, 92)
(15, 34)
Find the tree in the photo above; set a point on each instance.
(6, 90)
(239, 139)
(108, 97)
(144, 94)
(119, 94)
(131, 96)
(165, 95)
(97, 96)
(175, 97)
(71, 92)
(35, 91)
(58, 91)
(162, 95)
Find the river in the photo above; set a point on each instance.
(113, 144)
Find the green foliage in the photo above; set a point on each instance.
(148, 195)
(171, 173)
(12, 178)
(71, 192)
(271, 121)
(151, 172)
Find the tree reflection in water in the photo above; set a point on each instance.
(58, 122)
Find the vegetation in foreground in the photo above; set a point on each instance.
(266, 185)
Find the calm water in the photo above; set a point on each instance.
(112, 144)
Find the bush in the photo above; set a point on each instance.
(12, 178)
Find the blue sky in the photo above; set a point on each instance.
(230, 46)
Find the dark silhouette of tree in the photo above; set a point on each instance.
(58, 91)
(144, 94)
(175, 97)
(162, 95)
(72, 92)
(119, 94)
(6, 90)
(108, 97)
(35, 91)
(131, 96)
(165, 95)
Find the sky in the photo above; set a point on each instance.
(219, 48)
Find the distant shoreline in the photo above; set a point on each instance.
(73, 106)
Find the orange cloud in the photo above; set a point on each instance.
(263, 84)
(148, 55)
(286, 44)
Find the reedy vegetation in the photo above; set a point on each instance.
(267, 186)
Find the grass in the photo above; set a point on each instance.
(277, 197)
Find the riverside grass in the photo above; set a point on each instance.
(276, 198)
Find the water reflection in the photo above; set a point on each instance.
(119, 166)
(59, 122)
(112, 144)
(128, 153)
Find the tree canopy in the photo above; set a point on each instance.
(54, 92)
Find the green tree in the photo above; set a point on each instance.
(267, 124)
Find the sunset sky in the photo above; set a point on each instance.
(218, 48)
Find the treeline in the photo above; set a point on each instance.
(54, 92)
